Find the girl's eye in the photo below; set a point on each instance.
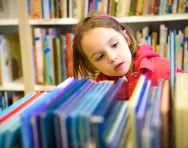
(115, 45)
(100, 57)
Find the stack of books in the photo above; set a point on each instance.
(84, 113)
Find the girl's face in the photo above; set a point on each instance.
(107, 50)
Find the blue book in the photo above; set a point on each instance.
(73, 120)
(146, 128)
(84, 115)
(46, 117)
(65, 108)
(141, 112)
(26, 130)
(5, 127)
(135, 101)
(125, 138)
(1, 104)
(114, 136)
(110, 120)
(11, 122)
(35, 116)
(13, 136)
(155, 122)
(65, 118)
(102, 111)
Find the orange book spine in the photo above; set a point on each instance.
(37, 9)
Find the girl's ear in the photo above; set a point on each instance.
(126, 36)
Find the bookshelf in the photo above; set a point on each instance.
(43, 88)
(130, 19)
(152, 18)
(26, 25)
(14, 86)
(62, 21)
(9, 22)
(9, 28)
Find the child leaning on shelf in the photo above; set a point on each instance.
(107, 50)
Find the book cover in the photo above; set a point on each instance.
(84, 115)
(165, 114)
(141, 112)
(4, 117)
(46, 117)
(20, 101)
(134, 100)
(116, 131)
(25, 117)
(102, 112)
(155, 122)
(61, 113)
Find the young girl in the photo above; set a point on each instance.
(107, 50)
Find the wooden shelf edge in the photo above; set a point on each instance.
(8, 22)
(44, 88)
(128, 19)
(12, 87)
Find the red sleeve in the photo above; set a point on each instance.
(101, 77)
(179, 70)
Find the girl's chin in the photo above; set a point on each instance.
(122, 72)
(119, 74)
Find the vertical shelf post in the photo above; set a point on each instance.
(25, 35)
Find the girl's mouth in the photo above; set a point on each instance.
(119, 66)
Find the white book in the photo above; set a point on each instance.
(6, 99)
(76, 4)
(70, 9)
(46, 9)
(6, 64)
(39, 54)
(64, 8)
(120, 8)
(86, 8)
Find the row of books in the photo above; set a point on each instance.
(8, 98)
(52, 53)
(52, 56)
(10, 59)
(84, 113)
(47, 9)
(171, 44)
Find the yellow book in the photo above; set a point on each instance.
(36, 9)
(154, 41)
(181, 6)
(125, 136)
(165, 113)
(139, 7)
(180, 110)
(132, 104)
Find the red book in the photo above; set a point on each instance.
(135, 7)
(19, 108)
(69, 55)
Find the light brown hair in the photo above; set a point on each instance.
(81, 64)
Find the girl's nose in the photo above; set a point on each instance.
(112, 57)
